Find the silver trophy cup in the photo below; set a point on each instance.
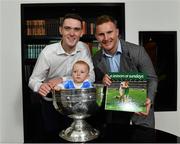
(78, 104)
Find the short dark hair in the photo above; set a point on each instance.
(105, 18)
(73, 16)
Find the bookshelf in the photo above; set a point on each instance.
(40, 27)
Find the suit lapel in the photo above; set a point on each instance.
(123, 63)
(102, 64)
(126, 62)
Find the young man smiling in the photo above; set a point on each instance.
(54, 62)
(116, 55)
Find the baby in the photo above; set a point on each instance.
(80, 75)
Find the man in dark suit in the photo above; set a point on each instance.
(116, 55)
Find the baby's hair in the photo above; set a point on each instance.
(82, 62)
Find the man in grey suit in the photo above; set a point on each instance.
(116, 55)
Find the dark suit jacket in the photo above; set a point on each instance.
(133, 58)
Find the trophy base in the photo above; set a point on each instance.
(79, 131)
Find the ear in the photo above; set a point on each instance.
(60, 30)
(117, 31)
(96, 36)
(81, 33)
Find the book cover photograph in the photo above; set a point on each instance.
(127, 92)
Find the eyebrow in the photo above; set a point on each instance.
(71, 27)
(102, 33)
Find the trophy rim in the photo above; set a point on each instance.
(75, 90)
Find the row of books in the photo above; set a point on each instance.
(42, 27)
(33, 50)
(35, 27)
(50, 27)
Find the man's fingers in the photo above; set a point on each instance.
(52, 83)
(106, 80)
(142, 113)
(44, 89)
(43, 93)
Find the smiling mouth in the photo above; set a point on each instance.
(71, 40)
(106, 42)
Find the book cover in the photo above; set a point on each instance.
(127, 92)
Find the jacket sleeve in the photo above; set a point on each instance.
(144, 64)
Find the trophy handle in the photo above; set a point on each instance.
(99, 93)
(53, 91)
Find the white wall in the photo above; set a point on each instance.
(11, 86)
(141, 15)
(0, 72)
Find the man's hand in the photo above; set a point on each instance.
(52, 83)
(44, 89)
(148, 106)
(106, 80)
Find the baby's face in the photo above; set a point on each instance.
(80, 73)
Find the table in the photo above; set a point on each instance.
(109, 133)
(115, 133)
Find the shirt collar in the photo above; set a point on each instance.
(60, 49)
(119, 50)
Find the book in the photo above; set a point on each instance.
(127, 92)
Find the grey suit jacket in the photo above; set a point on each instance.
(133, 59)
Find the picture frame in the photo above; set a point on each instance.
(161, 46)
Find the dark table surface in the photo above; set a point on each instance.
(109, 133)
(115, 133)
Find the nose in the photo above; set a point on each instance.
(71, 32)
(105, 37)
(78, 73)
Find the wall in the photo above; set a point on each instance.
(0, 72)
(140, 15)
(11, 86)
